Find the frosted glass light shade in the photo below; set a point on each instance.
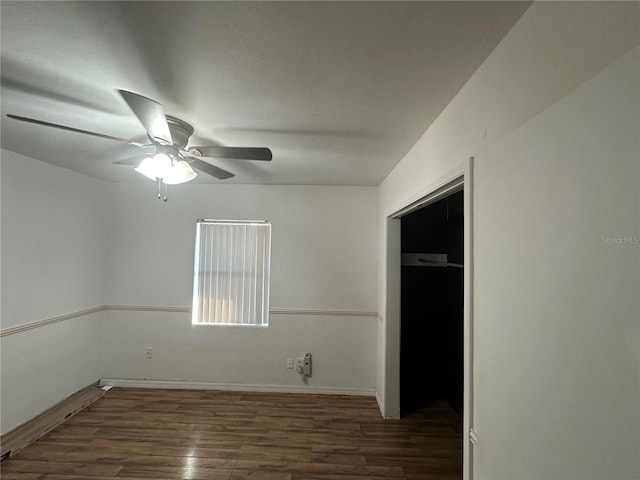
(146, 168)
(155, 167)
(181, 172)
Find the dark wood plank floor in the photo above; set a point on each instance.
(214, 435)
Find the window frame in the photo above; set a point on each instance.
(263, 253)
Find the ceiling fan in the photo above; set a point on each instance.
(173, 159)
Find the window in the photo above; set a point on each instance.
(231, 273)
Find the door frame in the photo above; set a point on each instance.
(460, 178)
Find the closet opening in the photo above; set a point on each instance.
(432, 309)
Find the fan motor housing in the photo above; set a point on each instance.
(180, 131)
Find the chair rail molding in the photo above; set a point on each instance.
(172, 309)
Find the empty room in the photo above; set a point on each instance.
(320, 240)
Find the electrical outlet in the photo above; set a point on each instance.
(289, 362)
(148, 352)
(299, 363)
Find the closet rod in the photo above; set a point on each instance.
(441, 264)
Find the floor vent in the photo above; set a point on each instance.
(20, 437)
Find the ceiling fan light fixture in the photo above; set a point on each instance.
(157, 166)
(181, 172)
(170, 137)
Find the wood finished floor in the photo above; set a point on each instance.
(215, 435)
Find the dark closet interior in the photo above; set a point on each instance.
(432, 302)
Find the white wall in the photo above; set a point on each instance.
(53, 244)
(54, 225)
(324, 252)
(556, 310)
(323, 242)
(185, 356)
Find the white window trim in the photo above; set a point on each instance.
(261, 277)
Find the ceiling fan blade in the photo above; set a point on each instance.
(128, 161)
(241, 153)
(208, 168)
(151, 115)
(75, 130)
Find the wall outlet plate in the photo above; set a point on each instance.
(289, 362)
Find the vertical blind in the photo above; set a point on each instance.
(231, 273)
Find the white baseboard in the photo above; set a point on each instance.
(380, 402)
(238, 387)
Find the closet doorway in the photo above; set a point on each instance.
(414, 369)
(432, 306)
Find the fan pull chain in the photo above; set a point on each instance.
(166, 189)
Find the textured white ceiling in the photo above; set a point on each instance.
(339, 91)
